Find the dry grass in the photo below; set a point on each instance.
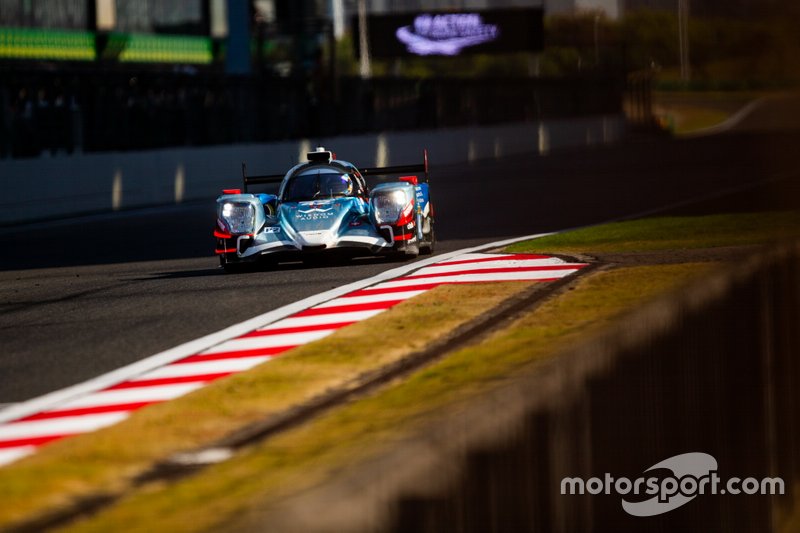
(302, 457)
(107, 460)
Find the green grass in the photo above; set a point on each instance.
(670, 233)
(300, 458)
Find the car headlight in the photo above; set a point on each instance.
(240, 218)
(389, 206)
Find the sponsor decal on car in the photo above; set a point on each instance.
(315, 214)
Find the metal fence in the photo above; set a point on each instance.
(110, 110)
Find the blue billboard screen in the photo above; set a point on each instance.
(454, 33)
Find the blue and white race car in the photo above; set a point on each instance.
(324, 207)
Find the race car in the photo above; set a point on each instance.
(325, 207)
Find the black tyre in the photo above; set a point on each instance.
(427, 246)
(409, 252)
(316, 260)
(236, 268)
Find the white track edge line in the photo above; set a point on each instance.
(125, 373)
(730, 122)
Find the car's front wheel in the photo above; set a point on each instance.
(232, 267)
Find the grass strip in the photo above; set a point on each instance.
(106, 461)
(670, 233)
(221, 496)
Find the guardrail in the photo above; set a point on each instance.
(712, 369)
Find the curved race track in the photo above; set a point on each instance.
(82, 297)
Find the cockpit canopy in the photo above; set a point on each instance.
(317, 183)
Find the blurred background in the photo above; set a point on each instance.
(539, 115)
(115, 75)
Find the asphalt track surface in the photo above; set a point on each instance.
(82, 297)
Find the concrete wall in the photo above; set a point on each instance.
(713, 369)
(51, 187)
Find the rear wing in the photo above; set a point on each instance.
(401, 169)
(259, 180)
(373, 171)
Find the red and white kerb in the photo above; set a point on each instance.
(108, 406)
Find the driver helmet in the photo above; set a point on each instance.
(337, 184)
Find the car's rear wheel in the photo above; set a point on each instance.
(409, 251)
(427, 246)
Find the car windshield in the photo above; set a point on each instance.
(312, 185)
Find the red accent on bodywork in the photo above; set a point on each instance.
(409, 179)
(407, 215)
(225, 251)
(406, 237)
(222, 235)
(231, 191)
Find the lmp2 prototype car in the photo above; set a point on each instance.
(323, 207)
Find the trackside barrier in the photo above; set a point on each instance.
(713, 369)
(61, 185)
